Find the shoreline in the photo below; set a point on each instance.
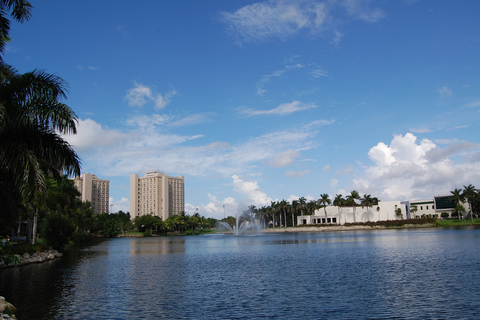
(27, 258)
(344, 228)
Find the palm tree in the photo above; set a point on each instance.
(262, 214)
(283, 206)
(68, 193)
(469, 194)
(302, 201)
(311, 207)
(293, 209)
(351, 199)
(367, 201)
(457, 197)
(324, 200)
(20, 10)
(273, 208)
(339, 201)
(31, 119)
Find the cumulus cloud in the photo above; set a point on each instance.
(148, 145)
(139, 95)
(251, 191)
(283, 159)
(326, 167)
(333, 182)
(282, 110)
(411, 169)
(89, 133)
(123, 204)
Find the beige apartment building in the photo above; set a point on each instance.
(156, 193)
(95, 190)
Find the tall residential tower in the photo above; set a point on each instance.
(94, 190)
(158, 194)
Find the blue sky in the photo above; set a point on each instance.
(260, 101)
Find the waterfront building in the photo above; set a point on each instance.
(95, 190)
(385, 210)
(157, 194)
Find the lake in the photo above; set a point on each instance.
(427, 273)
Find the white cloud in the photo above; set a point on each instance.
(444, 92)
(326, 167)
(283, 159)
(296, 174)
(251, 191)
(420, 130)
(283, 109)
(337, 36)
(408, 169)
(333, 182)
(191, 120)
(148, 146)
(89, 133)
(359, 9)
(122, 204)
(474, 104)
(317, 73)
(139, 95)
(277, 19)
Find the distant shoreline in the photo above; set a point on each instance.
(344, 228)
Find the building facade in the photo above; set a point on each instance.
(95, 190)
(157, 194)
(385, 210)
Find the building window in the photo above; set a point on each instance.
(421, 207)
(427, 207)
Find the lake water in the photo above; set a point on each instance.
(381, 274)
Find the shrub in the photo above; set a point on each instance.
(78, 237)
(57, 230)
(147, 233)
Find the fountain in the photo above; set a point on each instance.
(237, 230)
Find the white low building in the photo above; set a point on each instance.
(385, 210)
(341, 215)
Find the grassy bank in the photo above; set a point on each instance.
(458, 223)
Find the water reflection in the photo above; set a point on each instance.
(421, 273)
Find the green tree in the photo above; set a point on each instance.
(283, 207)
(469, 193)
(351, 201)
(414, 209)
(324, 200)
(273, 209)
(456, 198)
(302, 204)
(367, 201)
(57, 230)
(31, 118)
(20, 10)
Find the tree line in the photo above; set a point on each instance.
(469, 195)
(33, 154)
(287, 212)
